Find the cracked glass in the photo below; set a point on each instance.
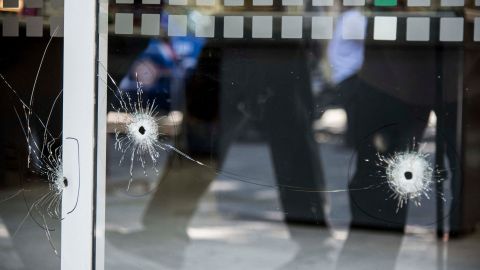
(291, 134)
(253, 134)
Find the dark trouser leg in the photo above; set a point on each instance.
(450, 137)
(212, 121)
(385, 125)
(288, 125)
(297, 166)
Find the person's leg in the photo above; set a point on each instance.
(288, 124)
(297, 167)
(347, 91)
(452, 170)
(211, 121)
(385, 126)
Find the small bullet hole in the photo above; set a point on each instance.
(408, 175)
(142, 130)
(65, 182)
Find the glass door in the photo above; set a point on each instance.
(290, 134)
(249, 134)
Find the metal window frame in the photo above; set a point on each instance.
(84, 118)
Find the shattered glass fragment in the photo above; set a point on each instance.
(44, 159)
(409, 175)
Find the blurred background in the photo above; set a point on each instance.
(288, 106)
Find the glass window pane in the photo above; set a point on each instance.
(31, 181)
(292, 135)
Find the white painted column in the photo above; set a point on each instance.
(79, 122)
(102, 55)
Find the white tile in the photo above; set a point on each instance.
(292, 26)
(292, 2)
(177, 2)
(452, 3)
(151, 2)
(385, 28)
(322, 27)
(262, 26)
(476, 29)
(233, 26)
(322, 3)
(205, 26)
(418, 3)
(354, 2)
(124, 1)
(10, 26)
(34, 3)
(56, 26)
(205, 2)
(418, 29)
(235, 3)
(150, 24)
(177, 25)
(262, 2)
(451, 29)
(34, 26)
(123, 23)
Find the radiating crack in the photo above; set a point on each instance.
(44, 158)
(409, 175)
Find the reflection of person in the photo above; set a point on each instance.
(368, 110)
(163, 67)
(379, 122)
(387, 120)
(261, 83)
(397, 88)
(394, 95)
(345, 57)
(273, 90)
(270, 87)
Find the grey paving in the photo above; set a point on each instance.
(239, 226)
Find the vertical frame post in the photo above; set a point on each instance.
(79, 122)
(102, 56)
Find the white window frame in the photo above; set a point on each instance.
(84, 118)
